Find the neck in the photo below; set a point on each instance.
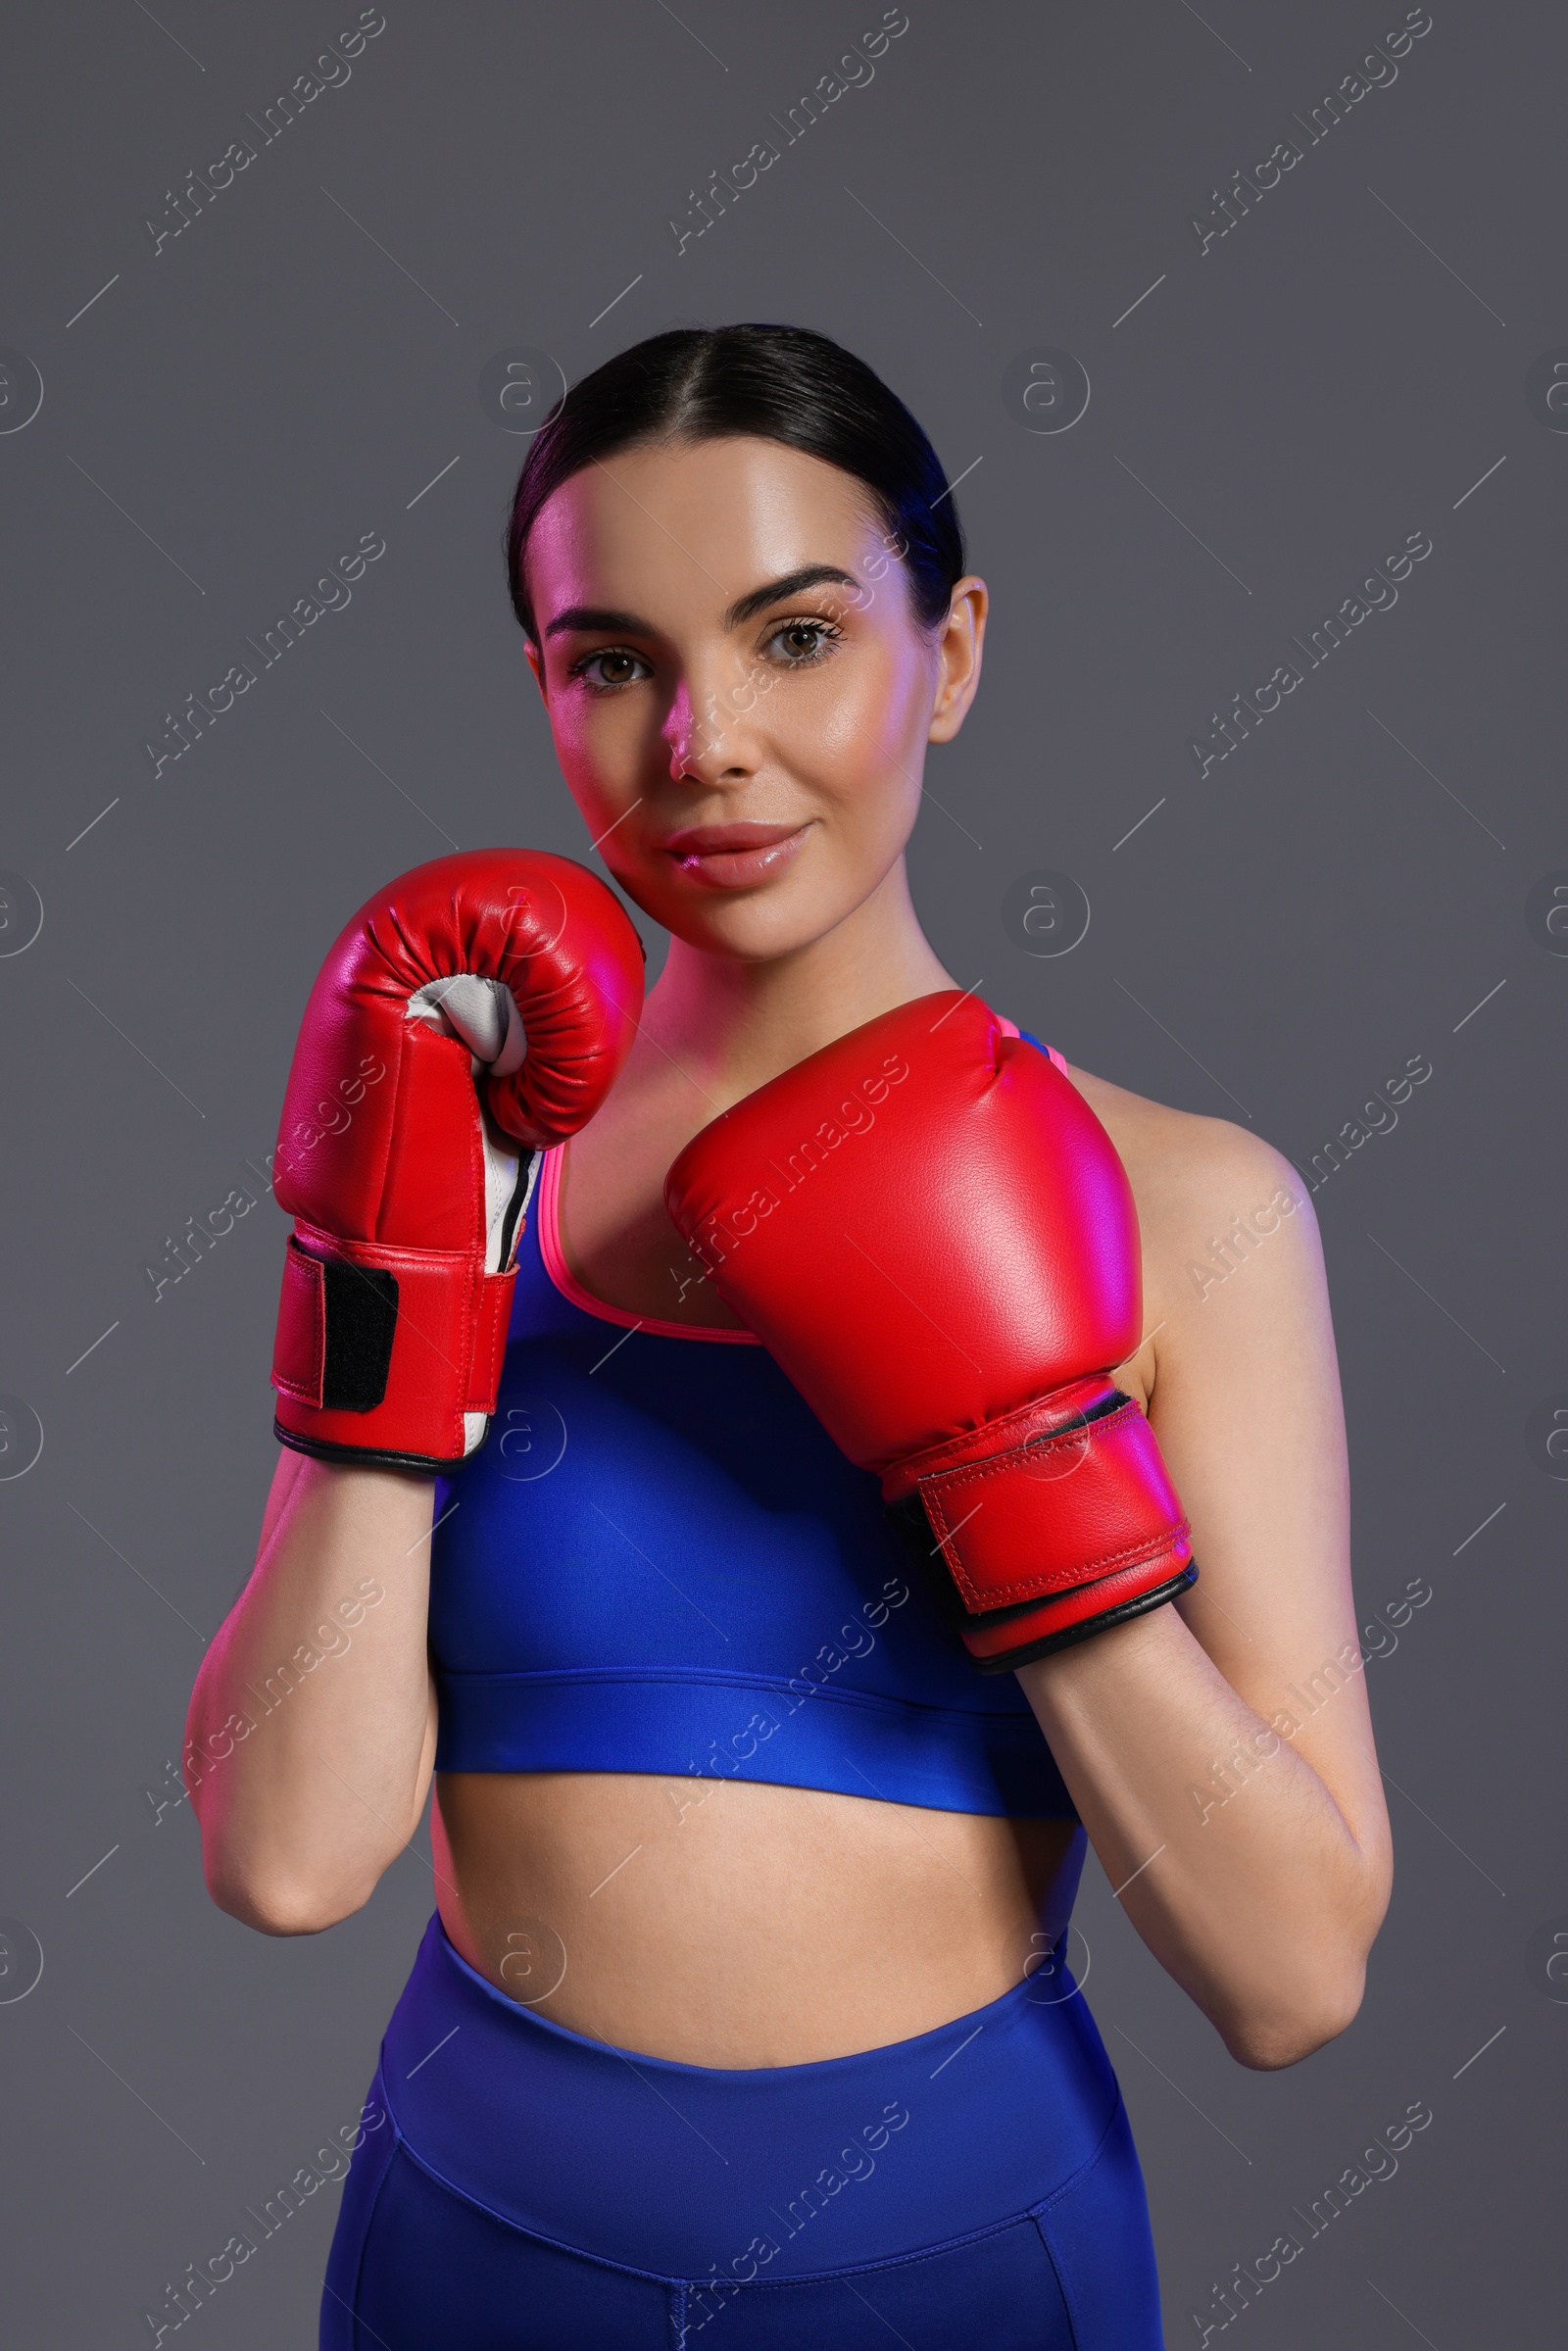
(732, 1025)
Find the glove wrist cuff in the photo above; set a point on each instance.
(1075, 1517)
(1040, 1627)
(386, 1350)
(1071, 1500)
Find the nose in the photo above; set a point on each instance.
(713, 741)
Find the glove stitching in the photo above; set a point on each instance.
(935, 1492)
(1071, 1579)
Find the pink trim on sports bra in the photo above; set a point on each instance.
(548, 1211)
(1010, 1028)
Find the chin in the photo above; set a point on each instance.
(758, 925)
(748, 931)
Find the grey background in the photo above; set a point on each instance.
(1343, 893)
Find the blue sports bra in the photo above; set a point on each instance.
(658, 1561)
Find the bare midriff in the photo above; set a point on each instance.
(732, 1924)
(723, 1921)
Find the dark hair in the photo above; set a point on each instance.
(781, 383)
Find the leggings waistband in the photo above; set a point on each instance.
(669, 2168)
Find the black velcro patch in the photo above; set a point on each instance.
(362, 1319)
(908, 1519)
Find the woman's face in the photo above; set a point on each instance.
(739, 692)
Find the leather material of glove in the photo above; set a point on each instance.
(475, 1011)
(931, 1231)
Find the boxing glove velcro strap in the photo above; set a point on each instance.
(335, 1326)
(370, 1335)
(1002, 1639)
(1069, 1505)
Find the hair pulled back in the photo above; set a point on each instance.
(780, 383)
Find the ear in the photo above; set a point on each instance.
(536, 663)
(960, 645)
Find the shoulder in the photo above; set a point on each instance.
(1184, 1165)
(1214, 1198)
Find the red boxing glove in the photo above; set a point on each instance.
(482, 1002)
(931, 1231)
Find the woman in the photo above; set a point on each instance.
(746, 2013)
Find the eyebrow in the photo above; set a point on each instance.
(579, 617)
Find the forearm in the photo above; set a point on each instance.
(1263, 1907)
(308, 1731)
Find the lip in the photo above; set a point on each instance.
(734, 856)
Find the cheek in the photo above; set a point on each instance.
(601, 752)
(866, 743)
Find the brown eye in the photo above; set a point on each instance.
(799, 643)
(604, 671)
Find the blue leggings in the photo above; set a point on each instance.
(520, 2187)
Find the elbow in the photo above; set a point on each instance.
(1267, 2036)
(274, 1902)
(270, 1875)
(1312, 1990)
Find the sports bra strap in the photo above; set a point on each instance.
(1010, 1028)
